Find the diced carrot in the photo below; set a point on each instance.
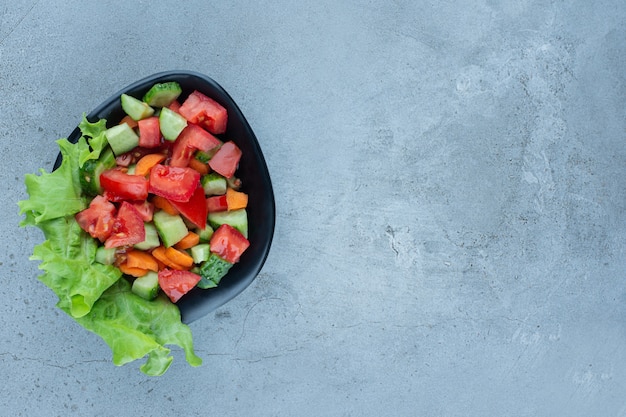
(145, 164)
(236, 199)
(133, 271)
(141, 259)
(132, 123)
(179, 257)
(163, 204)
(189, 241)
(159, 254)
(199, 166)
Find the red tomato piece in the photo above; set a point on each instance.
(226, 160)
(119, 186)
(149, 132)
(174, 106)
(128, 227)
(228, 243)
(217, 203)
(204, 111)
(195, 210)
(173, 183)
(145, 209)
(193, 138)
(97, 219)
(176, 283)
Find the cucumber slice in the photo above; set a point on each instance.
(171, 124)
(152, 238)
(105, 256)
(135, 108)
(91, 170)
(122, 138)
(236, 218)
(205, 234)
(213, 270)
(200, 252)
(163, 94)
(214, 184)
(171, 228)
(147, 287)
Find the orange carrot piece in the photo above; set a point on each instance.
(159, 254)
(141, 259)
(129, 121)
(236, 199)
(199, 166)
(189, 241)
(133, 271)
(145, 164)
(179, 257)
(163, 204)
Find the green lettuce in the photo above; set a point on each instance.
(96, 295)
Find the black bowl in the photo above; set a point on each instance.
(252, 172)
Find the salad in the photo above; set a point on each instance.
(138, 214)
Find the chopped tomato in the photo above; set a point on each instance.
(119, 186)
(173, 183)
(195, 210)
(204, 111)
(145, 209)
(228, 243)
(217, 203)
(176, 283)
(97, 219)
(149, 132)
(193, 138)
(128, 227)
(174, 106)
(226, 160)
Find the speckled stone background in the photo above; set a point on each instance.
(451, 193)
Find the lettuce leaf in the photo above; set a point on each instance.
(68, 259)
(56, 194)
(134, 328)
(96, 295)
(94, 132)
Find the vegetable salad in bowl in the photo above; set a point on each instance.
(142, 212)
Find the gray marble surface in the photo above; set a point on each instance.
(450, 190)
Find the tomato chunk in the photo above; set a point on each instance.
(173, 183)
(97, 219)
(226, 160)
(128, 228)
(193, 138)
(195, 210)
(149, 132)
(217, 203)
(145, 209)
(228, 243)
(176, 283)
(119, 186)
(204, 111)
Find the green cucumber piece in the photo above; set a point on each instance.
(200, 252)
(163, 94)
(213, 184)
(122, 138)
(171, 228)
(205, 157)
(205, 234)
(171, 124)
(152, 238)
(136, 108)
(91, 170)
(236, 218)
(105, 256)
(147, 286)
(213, 270)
